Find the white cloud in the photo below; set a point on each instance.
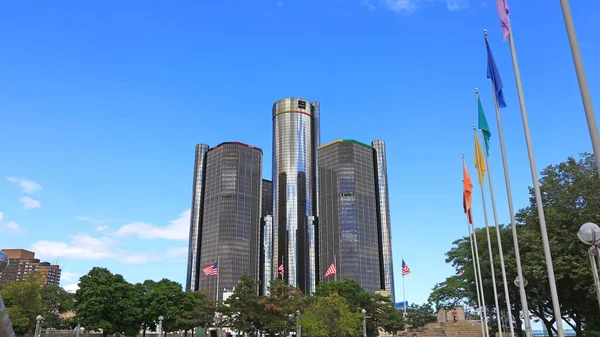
(410, 6)
(177, 229)
(71, 288)
(12, 228)
(69, 277)
(88, 219)
(1, 216)
(176, 252)
(29, 203)
(82, 247)
(101, 228)
(401, 6)
(456, 5)
(28, 186)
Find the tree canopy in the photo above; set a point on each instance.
(571, 197)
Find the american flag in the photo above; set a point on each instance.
(405, 269)
(331, 270)
(280, 269)
(211, 269)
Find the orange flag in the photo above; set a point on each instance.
(467, 193)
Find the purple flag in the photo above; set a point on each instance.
(503, 11)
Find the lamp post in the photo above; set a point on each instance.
(528, 331)
(298, 327)
(589, 233)
(160, 319)
(364, 313)
(38, 331)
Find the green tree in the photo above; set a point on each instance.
(381, 312)
(571, 196)
(330, 316)
(202, 313)
(243, 307)
(106, 301)
(163, 298)
(55, 302)
(454, 291)
(23, 301)
(279, 308)
(419, 315)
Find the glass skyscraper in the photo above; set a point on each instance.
(230, 212)
(295, 206)
(266, 238)
(353, 226)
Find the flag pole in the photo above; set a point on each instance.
(218, 272)
(581, 78)
(487, 230)
(477, 272)
(538, 194)
(476, 279)
(335, 264)
(403, 290)
(498, 237)
(511, 210)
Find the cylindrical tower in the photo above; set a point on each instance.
(295, 130)
(196, 218)
(384, 219)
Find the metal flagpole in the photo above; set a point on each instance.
(511, 210)
(581, 78)
(476, 279)
(475, 268)
(335, 264)
(489, 241)
(218, 272)
(538, 194)
(403, 288)
(487, 332)
(498, 238)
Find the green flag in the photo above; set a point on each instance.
(483, 125)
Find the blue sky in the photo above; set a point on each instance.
(103, 102)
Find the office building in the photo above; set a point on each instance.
(384, 222)
(225, 219)
(22, 263)
(353, 224)
(266, 237)
(295, 206)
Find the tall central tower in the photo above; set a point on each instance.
(295, 209)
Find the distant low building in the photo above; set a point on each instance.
(23, 263)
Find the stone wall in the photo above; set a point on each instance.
(444, 316)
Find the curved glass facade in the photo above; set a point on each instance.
(348, 216)
(231, 217)
(196, 218)
(294, 187)
(384, 218)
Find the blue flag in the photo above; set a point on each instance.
(494, 74)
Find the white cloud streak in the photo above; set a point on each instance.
(29, 203)
(177, 229)
(28, 186)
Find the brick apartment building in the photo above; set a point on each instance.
(23, 262)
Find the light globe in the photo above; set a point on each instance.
(589, 233)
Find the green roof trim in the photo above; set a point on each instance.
(346, 141)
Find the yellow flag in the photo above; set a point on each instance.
(479, 160)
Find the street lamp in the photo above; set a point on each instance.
(160, 319)
(38, 331)
(298, 327)
(589, 233)
(364, 313)
(518, 284)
